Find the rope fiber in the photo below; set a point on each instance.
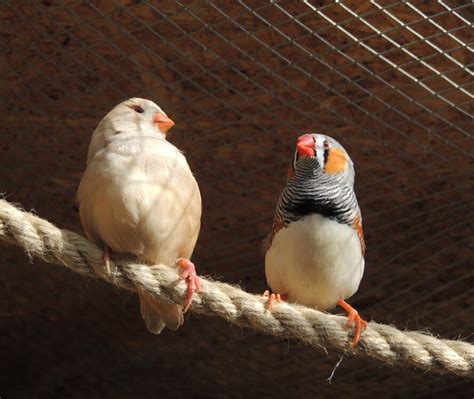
(43, 240)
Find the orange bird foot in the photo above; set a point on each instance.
(272, 298)
(106, 258)
(187, 272)
(353, 319)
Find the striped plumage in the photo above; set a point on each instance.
(311, 190)
(315, 253)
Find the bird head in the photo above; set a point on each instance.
(320, 153)
(133, 117)
(138, 115)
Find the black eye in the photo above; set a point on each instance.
(138, 109)
(326, 144)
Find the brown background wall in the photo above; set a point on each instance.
(241, 80)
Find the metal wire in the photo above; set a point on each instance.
(391, 79)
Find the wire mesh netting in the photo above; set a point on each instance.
(392, 81)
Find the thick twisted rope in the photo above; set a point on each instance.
(41, 239)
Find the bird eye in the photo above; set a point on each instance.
(138, 109)
(326, 144)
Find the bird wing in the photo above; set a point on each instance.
(277, 225)
(360, 232)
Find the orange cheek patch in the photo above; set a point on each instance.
(336, 162)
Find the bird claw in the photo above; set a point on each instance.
(187, 272)
(106, 259)
(272, 298)
(354, 319)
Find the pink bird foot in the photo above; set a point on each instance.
(187, 272)
(106, 258)
(273, 298)
(353, 318)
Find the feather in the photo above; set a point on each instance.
(139, 196)
(315, 250)
(360, 233)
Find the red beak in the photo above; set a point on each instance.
(305, 146)
(163, 122)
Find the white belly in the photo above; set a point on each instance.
(315, 261)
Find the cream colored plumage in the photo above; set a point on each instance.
(138, 196)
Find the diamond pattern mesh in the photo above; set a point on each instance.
(392, 81)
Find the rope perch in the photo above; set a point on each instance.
(43, 240)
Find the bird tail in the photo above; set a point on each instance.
(157, 315)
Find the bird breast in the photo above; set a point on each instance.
(139, 196)
(316, 261)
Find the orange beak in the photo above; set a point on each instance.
(163, 122)
(305, 145)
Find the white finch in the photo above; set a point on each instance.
(138, 196)
(315, 252)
